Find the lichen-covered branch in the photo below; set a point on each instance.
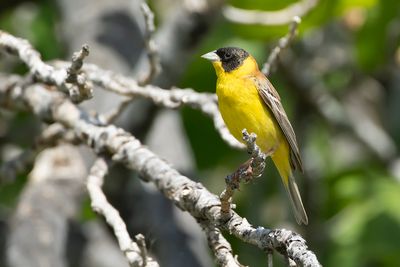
(220, 246)
(80, 88)
(124, 148)
(270, 18)
(136, 255)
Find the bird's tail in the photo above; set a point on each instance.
(295, 200)
(281, 161)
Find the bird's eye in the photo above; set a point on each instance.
(228, 55)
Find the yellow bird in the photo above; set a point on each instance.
(247, 99)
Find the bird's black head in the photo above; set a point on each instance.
(231, 57)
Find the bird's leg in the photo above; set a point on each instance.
(252, 168)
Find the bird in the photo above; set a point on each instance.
(248, 100)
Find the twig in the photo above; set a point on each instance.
(81, 89)
(113, 114)
(248, 171)
(151, 47)
(152, 55)
(269, 18)
(220, 246)
(282, 44)
(142, 246)
(46, 73)
(135, 254)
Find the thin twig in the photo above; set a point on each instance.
(133, 252)
(81, 89)
(151, 47)
(152, 55)
(269, 18)
(113, 114)
(282, 44)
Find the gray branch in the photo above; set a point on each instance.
(80, 88)
(135, 254)
(151, 47)
(220, 246)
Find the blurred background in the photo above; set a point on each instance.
(339, 81)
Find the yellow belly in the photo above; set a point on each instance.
(242, 107)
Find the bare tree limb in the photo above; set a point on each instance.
(282, 44)
(136, 254)
(270, 18)
(220, 246)
(46, 73)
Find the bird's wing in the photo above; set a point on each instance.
(271, 98)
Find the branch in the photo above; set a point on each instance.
(136, 254)
(81, 89)
(152, 55)
(282, 44)
(48, 74)
(151, 47)
(124, 148)
(269, 18)
(220, 246)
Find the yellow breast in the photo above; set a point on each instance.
(242, 107)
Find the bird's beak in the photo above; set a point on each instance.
(211, 56)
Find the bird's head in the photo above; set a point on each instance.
(231, 60)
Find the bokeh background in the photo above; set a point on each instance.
(339, 82)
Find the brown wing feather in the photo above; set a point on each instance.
(273, 101)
